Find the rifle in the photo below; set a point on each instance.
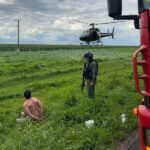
(83, 77)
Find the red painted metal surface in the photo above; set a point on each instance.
(143, 111)
(135, 66)
(145, 51)
(144, 122)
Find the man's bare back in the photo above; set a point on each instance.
(33, 109)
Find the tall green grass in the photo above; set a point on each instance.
(55, 78)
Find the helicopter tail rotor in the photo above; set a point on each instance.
(113, 32)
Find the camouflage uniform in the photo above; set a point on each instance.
(91, 74)
(91, 78)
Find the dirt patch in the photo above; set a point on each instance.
(125, 144)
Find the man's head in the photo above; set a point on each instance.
(88, 56)
(27, 94)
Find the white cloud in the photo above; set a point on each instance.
(31, 33)
(7, 1)
(52, 21)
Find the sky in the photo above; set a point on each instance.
(51, 21)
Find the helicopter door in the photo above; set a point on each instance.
(94, 34)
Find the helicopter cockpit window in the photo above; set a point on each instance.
(96, 29)
(84, 31)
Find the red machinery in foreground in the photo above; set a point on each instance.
(142, 22)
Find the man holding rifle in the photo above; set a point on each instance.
(90, 73)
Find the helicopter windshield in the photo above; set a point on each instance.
(85, 31)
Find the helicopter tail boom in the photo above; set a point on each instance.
(113, 32)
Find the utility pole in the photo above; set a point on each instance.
(18, 31)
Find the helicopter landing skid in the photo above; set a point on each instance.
(99, 42)
(85, 44)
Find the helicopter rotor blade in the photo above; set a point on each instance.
(80, 21)
(109, 22)
(95, 24)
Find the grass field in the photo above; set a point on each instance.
(55, 78)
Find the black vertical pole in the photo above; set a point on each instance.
(18, 34)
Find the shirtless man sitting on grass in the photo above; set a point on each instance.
(32, 108)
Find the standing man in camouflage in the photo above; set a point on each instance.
(90, 73)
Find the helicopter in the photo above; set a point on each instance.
(93, 35)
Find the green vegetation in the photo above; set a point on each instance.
(27, 47)
(55, 78)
